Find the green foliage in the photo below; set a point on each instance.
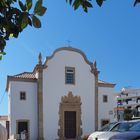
(14, 19)
(136, 1)
(36, 22)
(86, 4)
(29, 4)
(128, 114)
(15, 16)
(39, 9)
(99, 2)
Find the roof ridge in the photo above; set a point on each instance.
(25, 72)
(104, 82)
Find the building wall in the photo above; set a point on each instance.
(106, 109)
(23, 110)
(54, 88)
(130, 98)
(3, 123)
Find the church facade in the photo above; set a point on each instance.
(61, 99)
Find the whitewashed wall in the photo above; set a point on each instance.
(26, 110)
(3, 123)
(54, 88)
(105, 108)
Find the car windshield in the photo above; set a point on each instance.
(136, 127)
(123, 126)
(107, 127)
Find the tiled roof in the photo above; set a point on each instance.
(25, 75)
(104, 84)
(4, 118)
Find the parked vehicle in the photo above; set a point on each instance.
(105, 128)
(116, 129)
(132, 134)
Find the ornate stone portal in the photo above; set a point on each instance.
(72, 104)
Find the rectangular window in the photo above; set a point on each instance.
(22, 95)
(70, 75)
(70, 124)
(105, 98)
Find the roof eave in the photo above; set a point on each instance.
(11, 78)
(106, 85)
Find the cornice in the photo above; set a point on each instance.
(12, 78)
(106, 85)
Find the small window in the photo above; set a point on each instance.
(70, 75)
(105, 98)
(22, 95)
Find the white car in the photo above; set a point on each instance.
(111, 129)
(122, 127)
(107, 127)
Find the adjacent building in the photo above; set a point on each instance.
(61, 99)
(129, 98)
(4, 123)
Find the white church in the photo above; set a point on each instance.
(61, 99)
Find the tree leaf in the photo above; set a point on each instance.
(11, 35)
(29, 21)
(38, 5)
(29, 4)
(70, 1)
(41, 11)
(24, 21)
(87, 4)
(85, 9)
(0, 57)
(136, 2)
(22, 6)
(76, 4)
(3, 53)
(36, 22)
(99, 2)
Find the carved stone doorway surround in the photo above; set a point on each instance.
(70, 103)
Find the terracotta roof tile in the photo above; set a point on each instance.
(105, 84)
(4, 118)
(25, 75)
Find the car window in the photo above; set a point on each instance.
(107, 127)
(124, 126)
(136, 127)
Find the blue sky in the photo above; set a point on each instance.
(109, 35)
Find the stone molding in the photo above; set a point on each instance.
(40, 98)
(70, 103)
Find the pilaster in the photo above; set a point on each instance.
(40, 98)
(96, 72)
